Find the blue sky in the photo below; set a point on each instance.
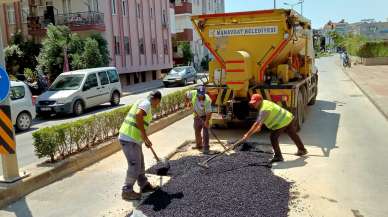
(321, 11)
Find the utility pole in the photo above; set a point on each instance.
(274, 4)
(301, 7)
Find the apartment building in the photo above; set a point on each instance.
(184, 30)
(138, 32)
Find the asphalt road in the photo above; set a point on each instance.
(24, 140)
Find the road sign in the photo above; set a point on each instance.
(4, 84)
(7, 141)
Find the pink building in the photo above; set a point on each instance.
(138, 31)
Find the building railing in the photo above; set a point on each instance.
(78, 19)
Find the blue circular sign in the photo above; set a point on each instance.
(4, 84)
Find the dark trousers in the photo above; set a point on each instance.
(201, 133)
(291, 132)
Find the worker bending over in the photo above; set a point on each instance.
(201, 103)
(132, 135)
(277, 120)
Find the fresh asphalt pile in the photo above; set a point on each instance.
(236, 185)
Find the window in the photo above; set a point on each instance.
(124, 7)
(165, 45)
(11, 14)
(138, 10)
(151, 12)
(91, 81)
(25, 10)
(117, 45)
(103, 78)
(164, 18)
(17, 92)
(113, 77)
(127, 47)
(141, 46)
(154, 46)
(113, 7)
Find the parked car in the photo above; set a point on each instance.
(73, 92)
(22, 106)
(180, 75)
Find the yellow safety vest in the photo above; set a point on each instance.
(129, 126)
(194, 100)
(278, 117)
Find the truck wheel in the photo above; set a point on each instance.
(312, 101)
(300, 111)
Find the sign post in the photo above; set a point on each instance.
(7, 136)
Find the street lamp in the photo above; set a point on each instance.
(293, 5)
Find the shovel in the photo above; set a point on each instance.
(163, 165)
(205, 165)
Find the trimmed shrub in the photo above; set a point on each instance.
(60, 141)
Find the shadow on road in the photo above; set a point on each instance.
(319, 130)
(20, 208)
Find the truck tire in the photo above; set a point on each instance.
(299, 114)
(312, 101)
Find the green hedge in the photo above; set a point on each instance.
(373, 49)
(60, 141)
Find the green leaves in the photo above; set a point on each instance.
(89, 52)
(60, 141)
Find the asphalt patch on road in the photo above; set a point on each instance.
(239, 184)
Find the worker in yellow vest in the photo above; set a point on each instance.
(277, 120)
(131, 136)
(201, 104)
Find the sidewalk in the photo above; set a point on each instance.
(96, 190)
(141, 87)
(373, 81)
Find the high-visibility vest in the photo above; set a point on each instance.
(129, 126)
(278, 117)
(194, 99)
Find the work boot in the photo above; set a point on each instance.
(301, 152)
(130, 195)
(196, 147)
(276, 158)
(209, 152)
(149, 188)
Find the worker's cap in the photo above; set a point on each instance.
(255, 98)
(201, 91)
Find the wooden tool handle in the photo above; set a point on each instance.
(153, 152)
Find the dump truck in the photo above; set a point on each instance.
(269, 52)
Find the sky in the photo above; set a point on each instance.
(321, 11)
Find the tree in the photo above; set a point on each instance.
(91, 56)
(82, 53)
(187, 53)
(21, 54)
(51, 58)
(103, 47)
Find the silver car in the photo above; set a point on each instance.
(180, 75)
(73, 92)
(22, 105)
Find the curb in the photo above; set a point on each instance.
(366, 94)
(60, 170)
(141, 90)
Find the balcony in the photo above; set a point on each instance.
(186, 35)
(81, 21)
(184, 8)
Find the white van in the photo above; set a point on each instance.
(73, 92)
(22, 106)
